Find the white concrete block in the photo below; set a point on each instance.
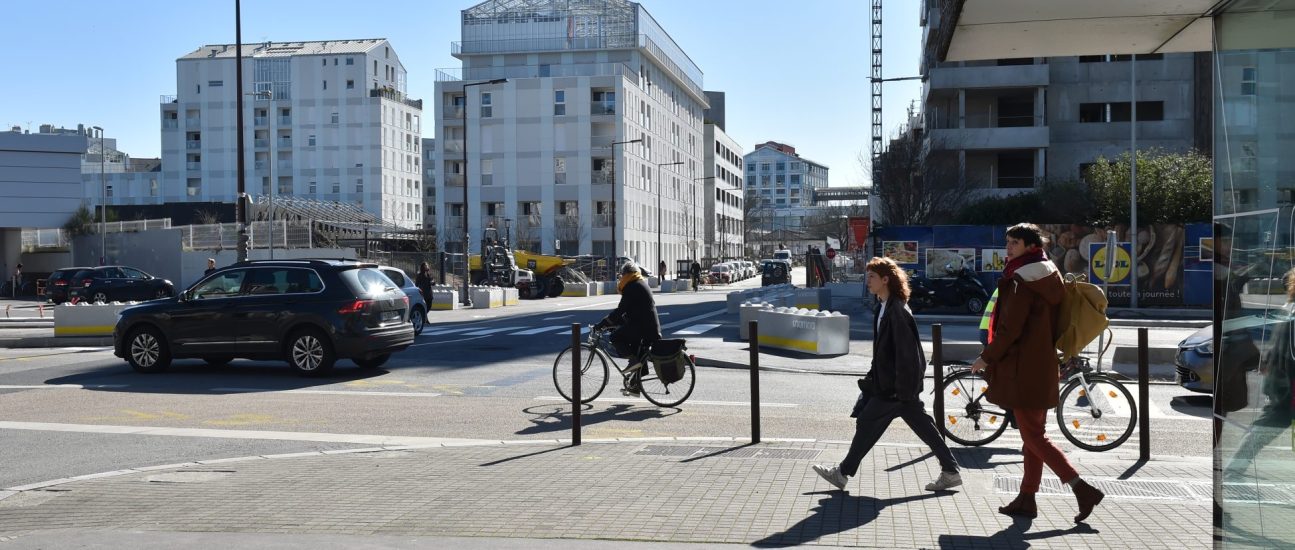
(443, 298)
(812, 298)
(810, 331)
(511, 297)
(87, 319)
(747, 312)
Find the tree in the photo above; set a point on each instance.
(912, 188)
(81, 223)
(1052, 202)
(834, 221)
(757, 217)
(1172, 188)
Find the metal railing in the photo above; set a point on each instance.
(167, 99)
(454, 180)
(285, 120)
(171, 123)
(45, 238)
(602, 108)
(261, 142)
(191, 165)
(260, 121)
(287, 234)
(534, 71)
(602, 177)
(452, 145)
(602, 220)
(452, 111)
(193, 144)
(388, 93)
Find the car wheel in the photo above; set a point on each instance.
(217, 362)
(99, 297)
(310, 352)
(418, 318)
(147, 351)
(975, 305)
(373, 362)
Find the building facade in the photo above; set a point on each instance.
(780, 186)
(40, 178)
(325, 120)
(724, 235)
(1007, 125)
(544, 148)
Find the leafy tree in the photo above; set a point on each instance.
(1172, 188)
(82, 222)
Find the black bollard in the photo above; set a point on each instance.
(1144, 402)
(575, 384)
(754, 330)
(937, 378)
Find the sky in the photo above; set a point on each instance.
(792, 72)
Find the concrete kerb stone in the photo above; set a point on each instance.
(810, 331)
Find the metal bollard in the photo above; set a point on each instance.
(937, 378)
(753, 329)
(442, 255)
(1144, 402)
(575, 384)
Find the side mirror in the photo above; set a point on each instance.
(186, 296)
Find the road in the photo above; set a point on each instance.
(473, 374)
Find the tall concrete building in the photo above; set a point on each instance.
(335, 125)
(783, 183)
(725, 225)
(541, 149)
(40, 178)
(1009, 124)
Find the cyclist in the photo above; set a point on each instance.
(636, 320)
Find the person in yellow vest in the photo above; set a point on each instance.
(987, 317)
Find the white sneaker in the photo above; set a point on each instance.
(832, 474)
(946, 481)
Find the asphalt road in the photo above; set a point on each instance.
(475, 374)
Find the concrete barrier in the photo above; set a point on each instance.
(812, 298)
(486, 297)
(667, 286)
(443, 298)
(809, 331)
(570, 290)
(683, 285)
(511, 296)
(87, 319)
(847, 290)
(748, 312)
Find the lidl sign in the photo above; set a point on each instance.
(1118, 274)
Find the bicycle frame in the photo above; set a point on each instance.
(600, 339)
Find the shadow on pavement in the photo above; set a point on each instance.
(836, 513)
(1013, 536)
(1194, 405)
(558, 418)
(982, 458)
(527, 455)
(721, 452)
(193, 376)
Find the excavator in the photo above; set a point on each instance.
(533, 275)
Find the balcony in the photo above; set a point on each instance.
(566, 221)
(983, 132)
(1010, 76)
(454, 180)
(193, 122)
(285, 141)
(394, 95)
(193, 166)
(603, 220)
(538, 71)
(285, 165)
(493, 221)
(193, 144)
(452, 145)
(603, 108)
(487, 179)
(285, 121)
(260, 121)
(170, 123)
(560, 178)
(260, 143)
(452, 111)
(453, 223)
(602, 177)
(260, 165)
(167, 99)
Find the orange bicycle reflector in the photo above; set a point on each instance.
(1101, 437)
(956, 391)
(953, 419)
(1112, 392)
(1076, 423)
(993, 419)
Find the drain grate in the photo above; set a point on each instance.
(1258, 493)
(1118, 488)
(687, 451)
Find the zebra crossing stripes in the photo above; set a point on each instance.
(696, 329)
(540, 330)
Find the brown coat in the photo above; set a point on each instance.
(1022, 354)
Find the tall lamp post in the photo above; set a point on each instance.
(614, 184)
(659, 258)
(103, 200)
(467, 301)
(269, 96)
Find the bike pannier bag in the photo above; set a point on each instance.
(669, 359)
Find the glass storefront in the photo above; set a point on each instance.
(1254, 284)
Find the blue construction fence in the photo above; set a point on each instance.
(1173, 270)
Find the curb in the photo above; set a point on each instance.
(56, 342)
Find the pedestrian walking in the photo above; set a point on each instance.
(16, 283)
(696, 276)
(1020, 364)
(893, 386)
(423, 280)
(661, 271)
(211, 267)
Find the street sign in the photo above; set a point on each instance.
(831, 253)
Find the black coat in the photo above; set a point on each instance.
(636, 313)
(898, 362)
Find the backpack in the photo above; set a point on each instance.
(669, 360)
(1081, 317)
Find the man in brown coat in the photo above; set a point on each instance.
(1021, 365)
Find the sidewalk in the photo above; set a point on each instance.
(702, 490)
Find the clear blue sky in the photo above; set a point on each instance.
(794, 72)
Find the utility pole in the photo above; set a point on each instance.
(240, 205)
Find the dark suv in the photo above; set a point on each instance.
(308, 312)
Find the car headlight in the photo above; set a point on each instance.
(1205, 348)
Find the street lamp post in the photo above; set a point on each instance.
(467, 301)
(269, 96)
(659, 258)
(614, 184)
(103, 201)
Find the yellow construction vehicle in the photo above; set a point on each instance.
(534, 275)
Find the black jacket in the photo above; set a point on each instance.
(898, 362)
(636, 313)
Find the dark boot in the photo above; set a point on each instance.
(1023, 506)
(1088, 498)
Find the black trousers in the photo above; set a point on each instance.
(875, 415)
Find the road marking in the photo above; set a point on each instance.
(556, 318)
(696, 329)
(489, 331)
(694, 319)
(447, 341)
(539, 330)
(330, 392)
(689, 402)
(67, 387)
(447, 331)
(239, 434)
(588, 305)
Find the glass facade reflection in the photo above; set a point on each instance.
(1254, 284)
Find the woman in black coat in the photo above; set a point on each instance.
(635, 316)
(892, 388)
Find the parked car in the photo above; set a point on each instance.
(309, 313)
(417, 302)
(721, 274)
(59, 284)
(117, 283)
(775, 272)
(1194, 361)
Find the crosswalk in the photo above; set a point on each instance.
(485, 330)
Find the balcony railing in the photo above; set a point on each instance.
(602, 177)
(285, 120)
(261, 143)
(602, 220)
(454, 180)
(560, 178)
(532, 71)
(394, 95)
(452, 111)
(260, 121)
(170, 123)
(193, 122)
(193, 144)
(260, 165)
(167, 99)
(191, 165)
(602, 108)
(566, 221)
(285, 165)
(452, 145)
(285, 142)
(493, 221)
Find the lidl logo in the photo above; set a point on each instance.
(1098, 270)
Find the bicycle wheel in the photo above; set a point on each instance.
(1098, 417)
(969, 418)
(593, 373)
(672, 394)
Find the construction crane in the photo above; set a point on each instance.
(877, 146)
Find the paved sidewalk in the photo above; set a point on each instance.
(714, 490)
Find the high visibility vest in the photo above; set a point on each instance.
(986, 318)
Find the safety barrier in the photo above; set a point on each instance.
(748, 312)
(737, 297)
(443, 298)
(86, 319)
(511, 297)
(486, 297)
(576, 290)
(682, 285)
(811, 298)
(810, 331)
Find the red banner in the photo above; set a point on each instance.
(859, 232)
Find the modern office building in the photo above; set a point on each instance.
(109, 173)
(325, 120)
(724, 234)
(533, 122)
(1010, 124)
(783, 183)
(40, 178)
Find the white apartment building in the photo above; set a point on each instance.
(429, 183)
(724, 236)
(326, 120)
(541, 148)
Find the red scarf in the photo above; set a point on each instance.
(1021, 261)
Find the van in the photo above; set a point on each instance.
(783, 254)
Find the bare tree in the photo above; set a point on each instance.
(916, 189)
(756, 217)
(570, 228)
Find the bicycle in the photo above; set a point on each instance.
(593, 373)
(1095, 412)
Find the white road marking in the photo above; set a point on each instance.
(447, 331)
(485, 332)
(696, 329)
(238, 434)
(447, 341)
(689, 402)
(331, 392)
(556, 318)
(67, 387)
(540, 330)
(694, 319)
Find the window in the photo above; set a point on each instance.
(325, 84)
(152, 187)
(795, 179)
(221, 286)
(193, 187)
(312, 189)
(215, 83)
(1248, 160)
(350, 61)
(487, 108)
(334, 61)
(375, 67)
(764, 167)
(1248, 79)
(337, 188)
(108, 191)
(559, 102)
(1092, 112)
(334, 118)
(1151, 111)
(350, 84)
(1092, 58)
(325, 61)
(310, 140)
